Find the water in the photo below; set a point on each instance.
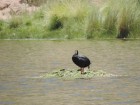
(21, 61)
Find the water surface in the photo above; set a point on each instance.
(21, 61)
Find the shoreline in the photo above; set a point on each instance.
(82, 39)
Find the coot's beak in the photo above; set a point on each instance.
(76, 52)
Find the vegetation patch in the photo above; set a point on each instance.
(75, 19)
(75, 74)
(55, 23)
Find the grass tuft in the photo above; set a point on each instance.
(1, 25)
(55, 23)
(15, 22)
(114, 19)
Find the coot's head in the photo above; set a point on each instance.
(76, 52)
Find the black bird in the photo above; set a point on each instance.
(81, 61)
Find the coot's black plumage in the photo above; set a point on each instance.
(81, 61)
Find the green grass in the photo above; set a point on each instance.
(70, 15)
(75, 19)
(112, 17)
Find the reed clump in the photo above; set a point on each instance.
(67, 17)
(115, 19)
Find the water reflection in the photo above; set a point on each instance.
(21, 61)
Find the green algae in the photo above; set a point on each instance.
(75, 74)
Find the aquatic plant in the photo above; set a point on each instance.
(75, 74)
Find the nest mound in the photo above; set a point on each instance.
(75, 74)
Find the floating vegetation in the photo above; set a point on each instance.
(75, 74)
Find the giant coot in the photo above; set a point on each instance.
(81, 61)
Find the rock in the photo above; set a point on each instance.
(5, 14)
(32, 9)
(14, 7)
(4, 4)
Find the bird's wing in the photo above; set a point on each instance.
(84, 58)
